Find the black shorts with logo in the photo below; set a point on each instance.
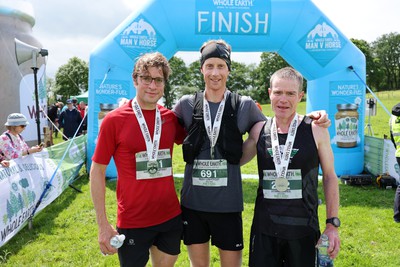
(225, 229)
(165, 236)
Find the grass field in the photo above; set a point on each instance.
(65, 232)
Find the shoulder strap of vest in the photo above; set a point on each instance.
(235, 101)
(267, 126)
(231, 109)
(198, 104)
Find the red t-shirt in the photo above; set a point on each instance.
(82, 112)
(141, 203)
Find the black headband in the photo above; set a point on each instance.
(216, 50)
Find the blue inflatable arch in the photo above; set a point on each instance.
(296, 29)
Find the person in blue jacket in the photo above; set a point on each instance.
(70, 119)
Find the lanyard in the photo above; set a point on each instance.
(281, 164)
(151, 147)
(213, 130)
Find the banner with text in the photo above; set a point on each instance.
(23, 182)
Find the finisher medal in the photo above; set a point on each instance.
(151, 146)
(152, 167)
(281, 184)
(282, 162)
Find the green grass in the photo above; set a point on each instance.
(65, 232)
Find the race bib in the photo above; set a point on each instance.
(294, 187)
(162, 167)
(210, 173)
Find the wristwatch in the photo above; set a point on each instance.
(334, 221)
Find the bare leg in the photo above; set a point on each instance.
(230, 258)
(161, 259)
(199, 255)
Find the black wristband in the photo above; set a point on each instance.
(27, 151)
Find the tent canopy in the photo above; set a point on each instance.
(82, 97)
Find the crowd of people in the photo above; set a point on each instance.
(210, 125)
(68, 117)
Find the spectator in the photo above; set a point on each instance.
(395, 135)
(12, 145)
(60, 108)
(75, 102)
(70, 120)
(52, 113)
(82, 110)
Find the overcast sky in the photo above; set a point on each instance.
(74, 27)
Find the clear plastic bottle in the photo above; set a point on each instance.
(117, 241)
(323, 256)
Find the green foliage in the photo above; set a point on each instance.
(374, 75)
(72, 78)
(270, 62)
(179, 77)
(195, 76)
(239, 78)
(387, 52)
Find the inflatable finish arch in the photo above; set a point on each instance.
(296, 29)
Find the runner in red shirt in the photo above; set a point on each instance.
(140, 136)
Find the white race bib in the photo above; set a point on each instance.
(294, 190)
(162, 167)
(210, 173)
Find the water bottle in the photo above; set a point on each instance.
(323, 256)
(117, 241)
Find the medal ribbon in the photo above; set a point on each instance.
(213, 131)
(281, 164)
(151, 146)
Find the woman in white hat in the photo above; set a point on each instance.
(12, 145)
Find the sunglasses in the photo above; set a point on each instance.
(22, 126)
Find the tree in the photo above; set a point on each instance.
(387, 52)
(179, 77)
(374, 75)
(239, 77)
(270, 62)
(72, 78)
(195, 77)
(50, 88)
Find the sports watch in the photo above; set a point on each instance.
(334, 221)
